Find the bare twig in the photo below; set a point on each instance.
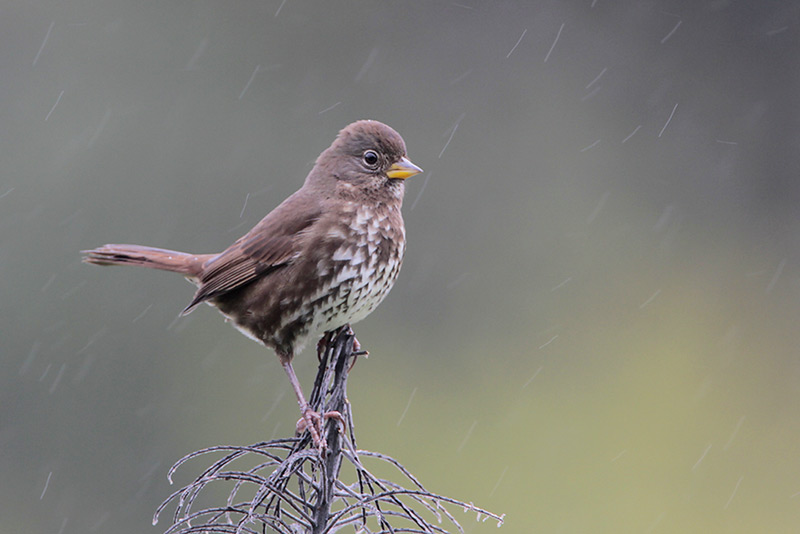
(320, 501)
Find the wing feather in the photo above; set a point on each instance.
(271, 244)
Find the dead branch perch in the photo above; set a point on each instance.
(286, 486)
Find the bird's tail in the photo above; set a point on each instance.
(189, 265)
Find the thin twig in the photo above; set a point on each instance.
(322, 502)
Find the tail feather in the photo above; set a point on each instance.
(190, 265)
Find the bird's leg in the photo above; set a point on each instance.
(310, 417)
(311, 420)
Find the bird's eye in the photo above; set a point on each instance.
(371, 158)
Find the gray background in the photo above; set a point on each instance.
(588, 335)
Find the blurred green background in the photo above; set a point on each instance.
(596, 326)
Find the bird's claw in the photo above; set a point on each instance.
(312, 421)
(356, 353)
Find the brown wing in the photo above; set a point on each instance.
(270, 245)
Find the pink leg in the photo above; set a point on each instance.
(312, 423)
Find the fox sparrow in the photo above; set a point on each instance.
(325, 257)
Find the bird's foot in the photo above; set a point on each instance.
(356, 353)
(322, 344)
(327, 338)
(357, 348)
(312, 421)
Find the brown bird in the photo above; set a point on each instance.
(325, 257)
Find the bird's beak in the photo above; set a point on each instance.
(403, 169)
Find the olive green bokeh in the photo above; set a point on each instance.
(588, 335)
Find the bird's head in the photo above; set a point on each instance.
(366, 155)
